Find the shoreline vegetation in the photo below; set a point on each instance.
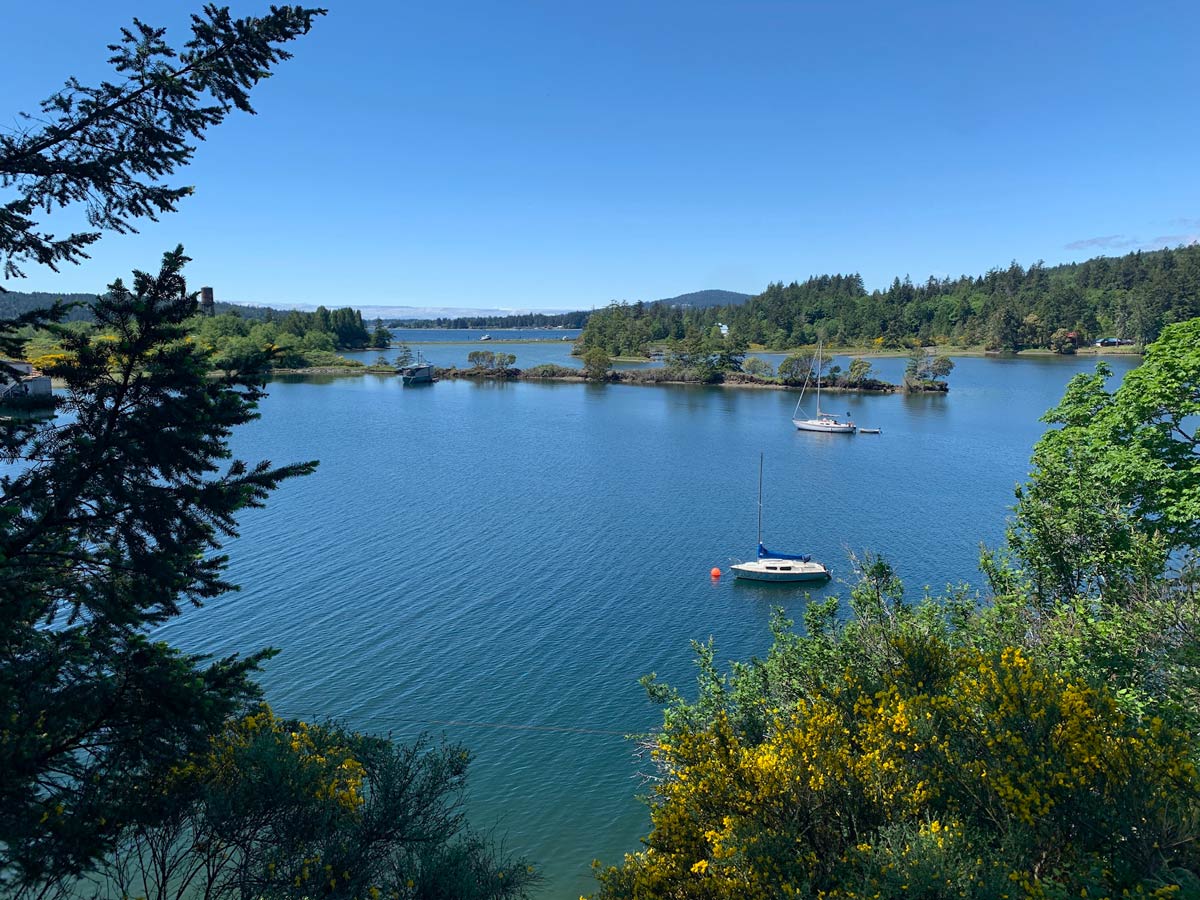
(566, 374)
(332, 365)
(833, 381)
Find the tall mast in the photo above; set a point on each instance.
(760, 468)
(818, 379)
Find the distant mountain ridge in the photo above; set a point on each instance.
(573, 319)
(14, 303)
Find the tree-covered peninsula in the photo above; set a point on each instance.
(291, 340)
(1059, 308)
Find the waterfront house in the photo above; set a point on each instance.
(21, 382)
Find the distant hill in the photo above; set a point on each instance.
(576, 319)
(702, 299)
(15, 303)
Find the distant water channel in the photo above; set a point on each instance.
(499, 563)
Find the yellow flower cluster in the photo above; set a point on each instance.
(315, 754)
(993, 740)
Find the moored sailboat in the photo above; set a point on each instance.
(770, 566)
(823, 421)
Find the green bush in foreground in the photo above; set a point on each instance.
(286, 809)
(890, 757)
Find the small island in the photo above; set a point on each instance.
(714, 364)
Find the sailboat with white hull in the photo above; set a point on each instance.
(825, 422)
(777, 566)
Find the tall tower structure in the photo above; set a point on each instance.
(207, 306)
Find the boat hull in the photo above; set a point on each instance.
(825, 427)
(780, 570)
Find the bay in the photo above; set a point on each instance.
(500, 562)
(474, 335)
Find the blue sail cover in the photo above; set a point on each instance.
(764, 553)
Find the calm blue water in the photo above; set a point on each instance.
(423, 335)
(455, 354)
(519, 554)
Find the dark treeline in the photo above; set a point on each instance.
(17, 303)
(344, 325)
(1131, 297)
(577, 319)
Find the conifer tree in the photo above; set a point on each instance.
(114, 524)
(111, 515)
(109, 147)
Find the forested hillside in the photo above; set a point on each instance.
(1131, 297)
(15, 303)
(698, 299)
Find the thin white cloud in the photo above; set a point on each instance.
(1124, 242)
(1170, 240)
(1105, 242)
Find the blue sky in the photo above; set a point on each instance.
(561, 155)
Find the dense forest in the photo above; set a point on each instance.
(17, 303)
(1131, 297)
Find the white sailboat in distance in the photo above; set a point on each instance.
(826, 422)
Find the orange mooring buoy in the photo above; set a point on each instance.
(716, 572)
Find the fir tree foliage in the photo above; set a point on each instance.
(112, 523)
(110, 148)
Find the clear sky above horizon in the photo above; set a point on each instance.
(560, 155)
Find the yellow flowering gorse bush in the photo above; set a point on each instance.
(963, 773)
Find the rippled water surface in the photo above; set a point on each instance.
(519, 554)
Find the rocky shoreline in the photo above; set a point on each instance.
(662, 377)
